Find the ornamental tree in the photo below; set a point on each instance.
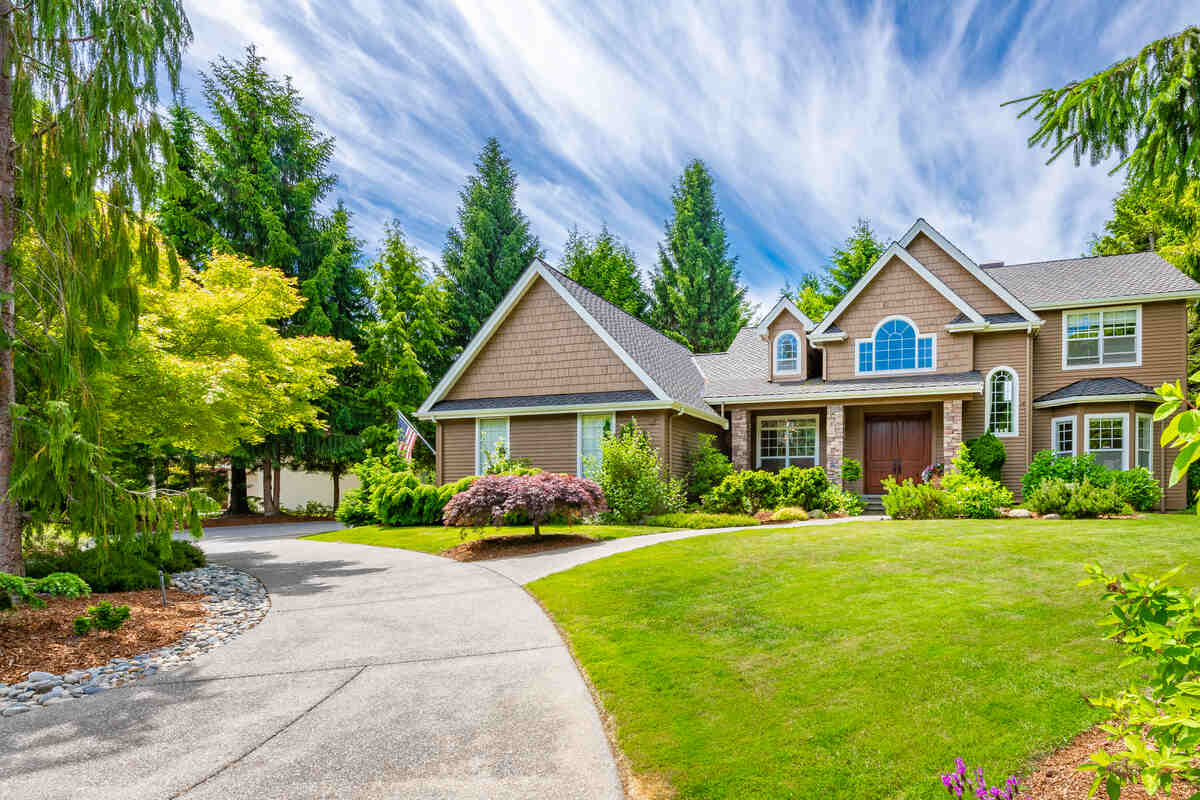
(539, 497)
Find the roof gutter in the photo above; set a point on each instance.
(1190, 294)
(576, 408)
(908, 391)
(965, 327)
(1096, 398)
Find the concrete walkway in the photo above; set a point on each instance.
(377, 673)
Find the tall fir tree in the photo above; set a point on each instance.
(79, 90)
(489, 248)
(604, 264)
(851, 261)
(697, 290)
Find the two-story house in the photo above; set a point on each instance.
(926, 350)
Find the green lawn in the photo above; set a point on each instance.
(437, 538)
(855, 660)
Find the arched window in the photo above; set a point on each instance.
(787, 352)
(896, 345)
(1002, 401)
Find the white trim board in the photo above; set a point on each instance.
(594, 408)
(916, 393)
(978, 272)
(1123, 300)
(784, 304)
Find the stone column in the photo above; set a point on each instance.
(835, 445)
(952, 429)
(739, 438)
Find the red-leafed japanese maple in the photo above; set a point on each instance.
(539, 497)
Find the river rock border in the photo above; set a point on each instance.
(236, 602)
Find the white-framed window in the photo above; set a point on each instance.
(1002, 402)
(1145, 441)
(1102, 338)
(896, 345)
(1104, 437)
(787, 353)
(1062, 436)
(788, 442)
(490, 434)
(592, 428)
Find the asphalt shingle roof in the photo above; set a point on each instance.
(1045, 284)
(1096, 387)
(666, 361)
(994, 319)
(547, 400)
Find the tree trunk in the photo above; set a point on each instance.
(239, 503)
(337, 489)
(192, 473)
(268, 487)
(10, 517)
(152, 479)
(278, 484)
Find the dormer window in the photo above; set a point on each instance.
(787, 353)
(896, 346)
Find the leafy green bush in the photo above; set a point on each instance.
(355, 508)
(789, 514)
(709, 467)
(82, 625)
(312, 508)
(700, 519)
(630, 475)
(118, 572)
(500, 463)
(851, 471)
(975, 496)
(910, 500)
(836, 500)
(15, 589)
(802, 486)
(1050, 496)
(744, 492)
(103, 616)
(1088, 501)
(1072, 469)
(62, 584)
(1138, 488)
(184, 556)
(987, 453)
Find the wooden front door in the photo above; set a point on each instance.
(900, 446)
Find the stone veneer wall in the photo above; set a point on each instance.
(952, 429)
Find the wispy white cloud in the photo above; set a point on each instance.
(809, 117)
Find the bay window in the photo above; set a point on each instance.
(1063, 436)
(1145, 441)
(1105, 439)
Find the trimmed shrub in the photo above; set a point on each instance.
(744, 493)
(789, 514)
(1050, 496)
(802, 486)
(987, 453)
(709, 467)
(62, 584)
(119, 572)
(699, 519)
(975, 496)
(355, 508)
(836, 500)
(538, 497)
(630, 475)
(1138, 488)
(1073, 469)
(14, 590)
(184, 556)
(852, 471)
(910, 500)
(103, 616)
(1088, 500)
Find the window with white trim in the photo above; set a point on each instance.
(896, 346)
(1063, 430)
(1145, 441)
(1002, 402)
(1101, 338)
(1106, 439)
(490, 436)
(787, 353)
(787, 442)
(592, 430)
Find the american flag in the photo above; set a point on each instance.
(406, 437)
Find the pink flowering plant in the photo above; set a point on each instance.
(538, 497)
(960, 783)
(933, 471)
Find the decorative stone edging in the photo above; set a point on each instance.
(237, 602)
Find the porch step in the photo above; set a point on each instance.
(874, 503)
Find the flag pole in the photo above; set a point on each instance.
(400, 417)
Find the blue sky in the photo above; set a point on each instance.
(809, 118)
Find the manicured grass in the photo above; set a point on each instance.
(437, 538)
(854, 660)
(700, 519)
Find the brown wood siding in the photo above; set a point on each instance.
(786, 321)
(548, 441)
(543, 347)
(951, 273)
(685, 441)
(898, 290)
(1164, 350)
(1008, 350)
(654, 423)
(456, 455)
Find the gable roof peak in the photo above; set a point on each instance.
(785, 304)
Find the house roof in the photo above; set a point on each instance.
(1098, 279)
(990, 319)
(785, 304)
(546, 400)
(1096, 390)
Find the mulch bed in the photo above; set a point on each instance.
(1057, 778)
(232, 520)
(503, 546)
(42, 639)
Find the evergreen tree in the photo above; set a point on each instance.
(186, 210)
(336, 293)
(607, 266)
(489, 248)
(78, 97)
(697, 289)
(809, 298)
(851, 261)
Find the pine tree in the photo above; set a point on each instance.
(489, 248)
(850, 262)
(186, 209)
(336, 293)
(607, 266)
(697, 289)
(78, 95)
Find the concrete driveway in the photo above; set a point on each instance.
(377, 673)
